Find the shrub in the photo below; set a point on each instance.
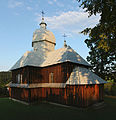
(4, 92)
(110, 88)
(5, 78)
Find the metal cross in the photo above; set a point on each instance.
(42, 13)
(64, 36)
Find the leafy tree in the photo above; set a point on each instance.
(5, 78)
(102, 38)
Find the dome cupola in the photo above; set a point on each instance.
(43, 39)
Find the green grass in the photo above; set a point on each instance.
(10, 110)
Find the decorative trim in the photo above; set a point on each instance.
(42, 41)
(49, 85)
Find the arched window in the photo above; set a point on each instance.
(51, 77)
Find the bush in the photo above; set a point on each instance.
(5, 78)
(110, 88)
(4, 92)
(113, 91)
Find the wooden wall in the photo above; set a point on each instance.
(22, 71)
(85, 95)
(61, 73)
(81, 95)
(19, 94)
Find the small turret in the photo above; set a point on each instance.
(43, 39)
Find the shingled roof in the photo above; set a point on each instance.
(82, 76)
(35, 58)
(31, 58)
(63, 55)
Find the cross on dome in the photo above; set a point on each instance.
(42, 12)
(64, 36)
(43, 24)
(65, 45)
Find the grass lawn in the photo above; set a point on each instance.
(10, 110)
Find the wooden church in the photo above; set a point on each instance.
(60, 76)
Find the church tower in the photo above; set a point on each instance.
(43, 39)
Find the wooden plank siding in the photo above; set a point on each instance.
(20, 94)
(81, 95)
(41, 75)
(61, 73)
(22, 71)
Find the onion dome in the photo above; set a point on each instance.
(43, 35)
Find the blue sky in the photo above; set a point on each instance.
(20, 18)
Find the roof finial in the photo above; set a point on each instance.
(43, 24)
(42, 12)
(64, 36)
(65, 45)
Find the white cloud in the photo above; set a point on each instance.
(74, 1)
(59, 4)
(29, 8)
(71, 21)
(14, 4)
(50, 2)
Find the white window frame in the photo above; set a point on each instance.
(51, 77)
(18, 79)
(21, 78)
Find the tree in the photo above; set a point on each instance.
(5, 78)
(102, 38)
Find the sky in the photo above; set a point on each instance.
(20, 18)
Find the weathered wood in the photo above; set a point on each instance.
(41, 75)
(79, 95)
(20, 94)
(22, 71)
(82, 96)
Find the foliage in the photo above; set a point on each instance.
(102, 38)
(110, 89)
(5, 78)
